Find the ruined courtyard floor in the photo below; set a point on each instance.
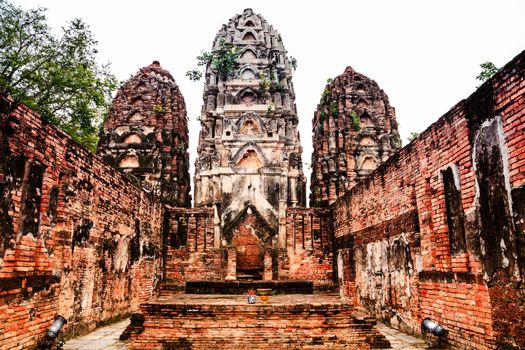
(107, 337)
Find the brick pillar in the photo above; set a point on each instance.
(268, 273)
(231, 271)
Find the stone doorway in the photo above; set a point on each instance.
(249, 252)
(249, 240)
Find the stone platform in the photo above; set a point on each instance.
(241, 287)
(293, 321)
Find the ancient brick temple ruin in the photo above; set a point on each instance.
(146, 135)
(249, 167)
(355, 130)
(434, 229)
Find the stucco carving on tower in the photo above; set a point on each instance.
(249, 151)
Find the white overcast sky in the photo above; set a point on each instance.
(424, 54)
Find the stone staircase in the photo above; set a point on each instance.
(296, 321)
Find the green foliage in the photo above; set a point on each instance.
(277, 87)
(334, 109)
(329, 80)
(269, 109)
(488, 69)
(324, 96)
(322, 115)
(58, 76)
(293, 62)
(412, 135)
(264, 84)
(356, 121)
(158, 109)
(194, 75)
(223, 59)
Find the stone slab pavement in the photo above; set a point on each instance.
(107, 337)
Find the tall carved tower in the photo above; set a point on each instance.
(146, 135)
(354, 131)
(249, 153)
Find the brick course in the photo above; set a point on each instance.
(78, 238)
(411, 247)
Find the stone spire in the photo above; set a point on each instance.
(354, 131)
(249, 153)
(146, 135)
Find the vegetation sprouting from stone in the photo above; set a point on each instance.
(158, 108)
(356, 121)
(334, 109)
(488, 69)
(264, 84)
(324, 96)
(412, 136)
(56, 75)
(321, 116)
(223, 60)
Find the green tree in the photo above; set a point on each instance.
(488, 69)
(58, 76)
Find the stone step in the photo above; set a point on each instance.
(241, 287)
(229, 322)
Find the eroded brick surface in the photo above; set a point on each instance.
(78, 238)
(185, 321)
(430, 233)
(146, 135)
(354, 131)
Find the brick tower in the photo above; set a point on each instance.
(355, 130)
(146, 135)
(249, 156)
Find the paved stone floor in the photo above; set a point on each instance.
(399, 340)
(107, 338)
(101, 338)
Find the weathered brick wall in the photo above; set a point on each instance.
(309, 251)
(190, 247)
(193, 254)
(78, 238)
(438, 230)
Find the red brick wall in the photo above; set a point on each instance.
(308, 255)
(309, 251)
(190, 246)
(410, 248)
(78, 239)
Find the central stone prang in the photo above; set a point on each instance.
(249, 166)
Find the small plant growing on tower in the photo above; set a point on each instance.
(329, 80)
(158, 108)
(324, 97)
(356, 121)
(264, 84)
(269, 109)
(412, 136)
(223, 59)
(334, 109)
(321, 116)
(488, 69)
(277, 87)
